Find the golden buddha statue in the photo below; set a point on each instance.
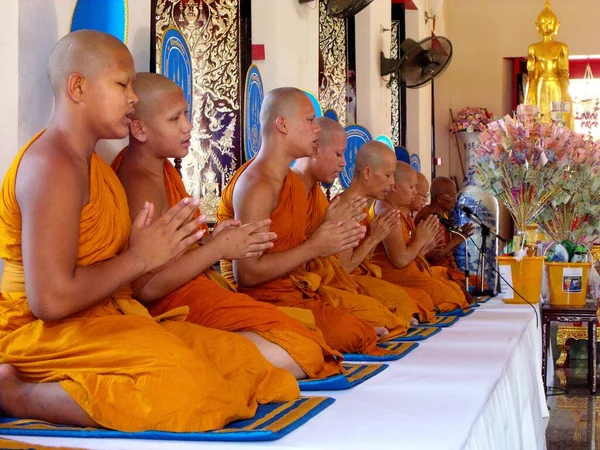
(548, 70)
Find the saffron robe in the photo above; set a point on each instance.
(126, 370)
(321, 285)
(213, 303)
(447, 267)
(406, 304)
(446, 295)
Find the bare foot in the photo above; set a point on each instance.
(9, 383)
(414, 322)
(43, 401)
(381, 332)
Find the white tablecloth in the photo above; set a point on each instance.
(475, 385)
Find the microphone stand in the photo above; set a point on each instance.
(464, 238)
(485, 233)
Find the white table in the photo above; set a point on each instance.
(475, 385)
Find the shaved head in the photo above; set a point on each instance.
(421, 193)
(405, 178)
(151, 89)
(374, 170)
(329, 128)
(373, 154)
(442, 185)
(85, 52)
(280, 102)
(422, 183)
(403, 171)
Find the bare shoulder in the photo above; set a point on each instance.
(343, 196)
(141, 187)
(46, 170)
(424, 214)
(254, 196)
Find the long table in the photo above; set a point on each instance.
(476, 385)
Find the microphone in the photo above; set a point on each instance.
(469, 212)
(447, 223)
(475, 218)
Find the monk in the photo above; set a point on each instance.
(418, 203)
(400, 254)
(373, 161)
(160, 129)
(300, 271)
(75, 347)
(443, 200)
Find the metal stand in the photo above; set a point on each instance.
(467, 272)
(485, 232)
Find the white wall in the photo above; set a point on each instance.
(41, 23)
(486, 31)
(9, 84)
(373, 98)
(290, 33)
(9, 87)
(418, 101)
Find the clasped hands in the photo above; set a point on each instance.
(156, 242)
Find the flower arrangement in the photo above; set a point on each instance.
(471, 119)
(574, 212)
(526, 164)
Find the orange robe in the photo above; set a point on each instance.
(447, 267)
(125, 369)
(406, 303)
(213, 303)
(322, 285)
(446, 294)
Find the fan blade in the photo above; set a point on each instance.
(346, 8)
(424, 60)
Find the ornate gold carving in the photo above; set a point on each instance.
(596, 252)
(333, 48)
(565, 333)
(585, 413)
(211, 30)
(394, 87)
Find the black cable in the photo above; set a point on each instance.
(537, 318)
(561, 391)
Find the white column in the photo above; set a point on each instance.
(290, 33)
(9, 85)
(373, 98)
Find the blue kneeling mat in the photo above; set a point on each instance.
(441, 322)
(393, 351)
(456, 312)
(271, 422)
(417, 334)
(355, 374)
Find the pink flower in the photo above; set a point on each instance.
(471, 119)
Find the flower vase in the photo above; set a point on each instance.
(489, 211)
(486, 207)
(467, 143)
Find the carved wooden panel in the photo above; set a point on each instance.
(395, 87)
(333, 64)
(211, 29)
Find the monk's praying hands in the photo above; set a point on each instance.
(245, 241)
(346, 211)
(168, 237)
(334, 237)
(381, 225)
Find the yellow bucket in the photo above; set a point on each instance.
(524, 276)
(568, 283)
